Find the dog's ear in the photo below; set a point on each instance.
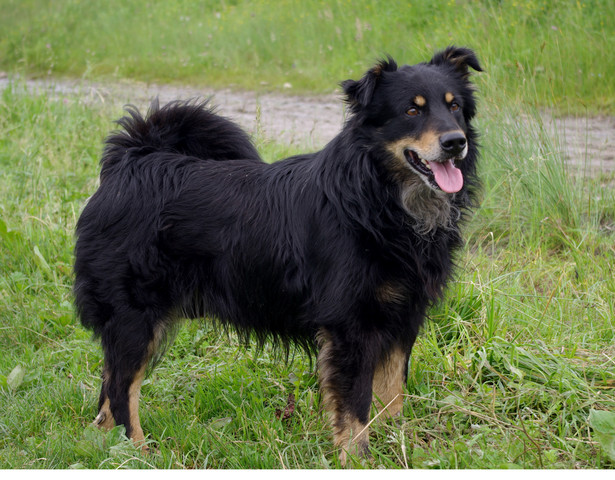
(359, 92)
(460, 58)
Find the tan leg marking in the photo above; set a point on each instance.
(349, 434)
(352, 438)
(387, 386)
(104, 419)
(134, 393)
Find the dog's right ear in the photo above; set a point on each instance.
(462, 59)
(359, 92)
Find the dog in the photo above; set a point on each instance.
(341, 251)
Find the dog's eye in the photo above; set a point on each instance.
(413, 112)
(455, 107)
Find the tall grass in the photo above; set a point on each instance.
(556, 52)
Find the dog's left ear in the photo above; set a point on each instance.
(460, 58)
(360, 92)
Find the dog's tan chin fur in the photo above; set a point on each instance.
(430, 208)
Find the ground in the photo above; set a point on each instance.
(311, 121)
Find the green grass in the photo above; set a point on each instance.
(505, 375)
(556, 52)
(514, 363)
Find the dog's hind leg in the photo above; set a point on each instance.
(129, 347)
(104, 419)
(346, 371)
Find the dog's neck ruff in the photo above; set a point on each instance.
(429, 209)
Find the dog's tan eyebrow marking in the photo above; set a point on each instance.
(449, 97)
(419, 101)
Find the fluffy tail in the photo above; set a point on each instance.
(188, 128)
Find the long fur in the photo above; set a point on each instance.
(343, 244)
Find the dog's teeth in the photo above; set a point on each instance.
(426, 163)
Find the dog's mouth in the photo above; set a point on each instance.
(442, 175)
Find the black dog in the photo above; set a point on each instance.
(341, 251)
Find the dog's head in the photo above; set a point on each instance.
(419, 117)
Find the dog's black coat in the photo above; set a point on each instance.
(189, 222)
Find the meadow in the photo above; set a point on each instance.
(516, 368)
(557, 52)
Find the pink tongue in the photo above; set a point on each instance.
(448, 177)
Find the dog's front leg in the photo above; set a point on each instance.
(346, 372)
(389, 379)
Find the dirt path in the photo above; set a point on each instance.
(589, 142)
(311, 121)
(301, 120)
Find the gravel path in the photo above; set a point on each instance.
(589, 142)
(311, 121)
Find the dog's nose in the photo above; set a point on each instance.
(453, 142)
